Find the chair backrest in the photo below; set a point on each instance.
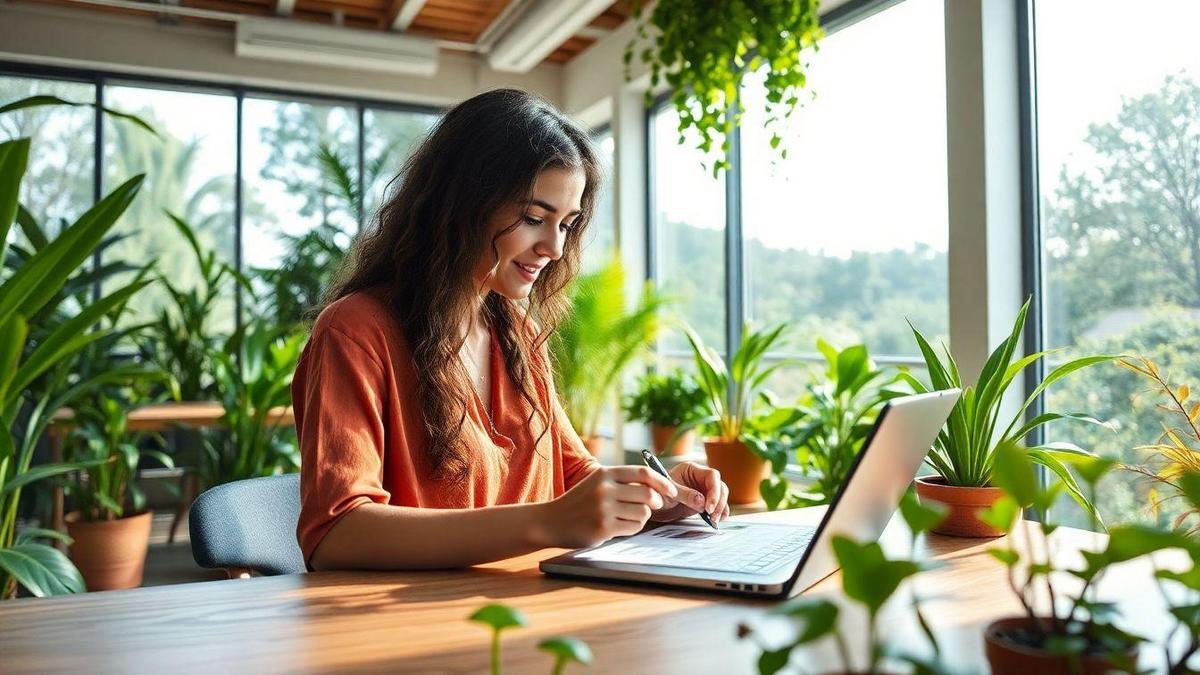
(249, 524)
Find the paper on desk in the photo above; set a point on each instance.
(681, 545)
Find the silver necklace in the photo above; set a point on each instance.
(482, 380)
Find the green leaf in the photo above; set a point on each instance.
(815, 617)
(1126, 542)
(42, 471)
(499, 616)
(1005, 555)
(1001, 515)
(40, 569)
(567, 649)
(869, 577)
(12, 341)
(1189, 485)
(1013, 472)
(14, 157)
(32, 534)
(45, 100)
(921, 517)
(772, 661)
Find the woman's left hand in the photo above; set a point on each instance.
(700, 489)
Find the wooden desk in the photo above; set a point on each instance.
(156, 417)
(416, 621)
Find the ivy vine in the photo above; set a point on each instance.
(704, 49)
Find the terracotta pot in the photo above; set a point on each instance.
(594, 444)
(964, 503)
(110, 554)
(1007, 657)
(661, 435)
(740, 468)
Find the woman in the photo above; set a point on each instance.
(430, 431)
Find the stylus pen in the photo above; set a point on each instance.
(653, 463)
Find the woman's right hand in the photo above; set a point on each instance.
(613, 501)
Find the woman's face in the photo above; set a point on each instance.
(538, 236)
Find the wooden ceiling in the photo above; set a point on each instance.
(463, 21)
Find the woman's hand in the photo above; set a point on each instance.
(613, 501)
(700, 489)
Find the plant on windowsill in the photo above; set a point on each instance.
(749, 429)
(564, 649)
(1176, 451)
(704, 51)
(964, 452)
(110, 528)
(594, 345)
(30, 289)
(839, 411)
(870, 579)
(1077, 631)
(666, 401)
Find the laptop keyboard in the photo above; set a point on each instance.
(765, 559)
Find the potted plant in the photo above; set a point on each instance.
(110, 526)
(964, 452)
(1078, 632)
(595, 344)
(29, 288)
(253, 387)
(870, 579)
(666, 402)
(1176, 452)
(839, 411)
(705, 50)
(742, 448)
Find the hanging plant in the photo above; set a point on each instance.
(705, 49)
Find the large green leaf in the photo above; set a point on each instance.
(14, 156)
(43, 471)
(42, 570)
(41, 277)
(47, 100)
(12, 342)
(72, 335)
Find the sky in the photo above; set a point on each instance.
(866, 168)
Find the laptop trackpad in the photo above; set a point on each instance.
(751, 548)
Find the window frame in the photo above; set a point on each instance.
(101, 78)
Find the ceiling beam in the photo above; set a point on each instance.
(402, 12)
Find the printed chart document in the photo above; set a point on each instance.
(696, 546)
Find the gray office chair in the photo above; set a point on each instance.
(249, 525)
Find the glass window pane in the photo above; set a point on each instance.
(300, 209)
(846, 237)
(602, 233)
(689, 233)
(390, 137)
(1119, 156)
(189, 169)
(58, 179)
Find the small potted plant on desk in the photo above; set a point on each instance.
(666, 402)
(110, 528)
(964, 452)
(741, 412)
(1077, 632)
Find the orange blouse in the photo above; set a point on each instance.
(363, 439)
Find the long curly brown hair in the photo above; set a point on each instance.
(424, 244)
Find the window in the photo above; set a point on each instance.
(846, 237)
(602, 231)
(190, 168)
(389, 138)
(299, 200)
(1118, 136)
(689, 233)
(57, 187)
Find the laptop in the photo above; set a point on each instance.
(768, 559)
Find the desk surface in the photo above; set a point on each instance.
(416, 621)
(164, 416)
